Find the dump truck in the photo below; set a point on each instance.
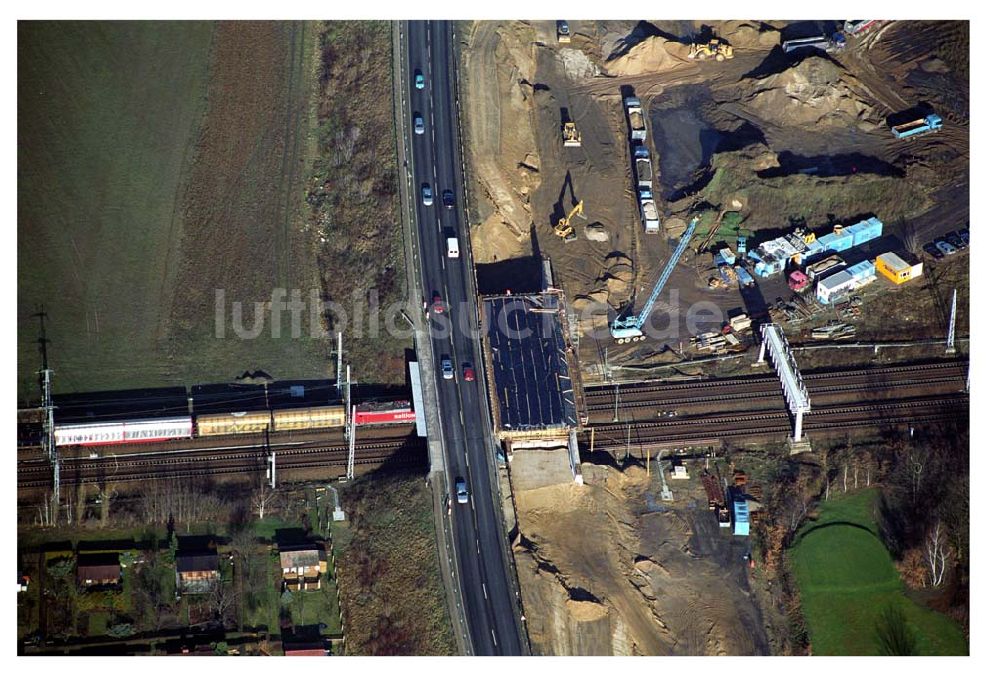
(643, 172)
(856, 27)
(650, 216)
(930, 123)
(714, 48)
(745, 278)
(834, 42)
(636, 118)
(562, 31)
(728, 275)
(571, 135)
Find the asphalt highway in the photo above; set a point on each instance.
(434, 158)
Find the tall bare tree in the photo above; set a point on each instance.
(938, 553)
(261, 499)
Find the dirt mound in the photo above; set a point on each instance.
(653, 55)
(584, 611)
(596, 232)
(814, 91)
(747, 34)
(578, 65)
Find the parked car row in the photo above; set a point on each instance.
(950, 243)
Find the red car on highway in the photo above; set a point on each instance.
(437, 304)
(467, 372)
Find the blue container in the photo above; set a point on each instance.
(837, 243)
(865, 231)
(862, 271)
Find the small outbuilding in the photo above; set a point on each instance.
(302, 567)
(197, 573)
(98, 570)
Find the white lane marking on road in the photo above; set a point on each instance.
(494, 636)
(485, 596)
(477, 547)
(439, 225)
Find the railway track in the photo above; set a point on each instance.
(615, 436)
(674, 393)
(179, 465)
(596, 392)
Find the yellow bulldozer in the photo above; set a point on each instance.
(713, 48)
(563, 228)
(570, 134)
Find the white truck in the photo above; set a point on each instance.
(452, 247)
(650, 216)
(636, 118)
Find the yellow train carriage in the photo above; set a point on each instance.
(234, 424)
(283, 419)
(310, 417)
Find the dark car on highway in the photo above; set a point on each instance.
(448, 198)
(964, 234)
(437, 304)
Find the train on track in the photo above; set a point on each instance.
(163, 414)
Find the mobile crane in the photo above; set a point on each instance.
(628, 328)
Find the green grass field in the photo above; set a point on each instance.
(847, 581)
(158, 162)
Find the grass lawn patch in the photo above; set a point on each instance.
(260, 595)
(312, 607)
(850, 588)
(97, 623)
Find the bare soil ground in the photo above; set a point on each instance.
(793, 141)
(607, 569)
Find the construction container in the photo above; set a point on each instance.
(895, 269)
(727, 255)
(829, 288)
(837, 242)
(863, 273)
(865, 231)
(741, 515)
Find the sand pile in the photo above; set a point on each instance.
(814, 91)
(653, 55)
(578, 65)
(584, 611)
(747, 34)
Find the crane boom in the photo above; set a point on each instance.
(630, 327)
